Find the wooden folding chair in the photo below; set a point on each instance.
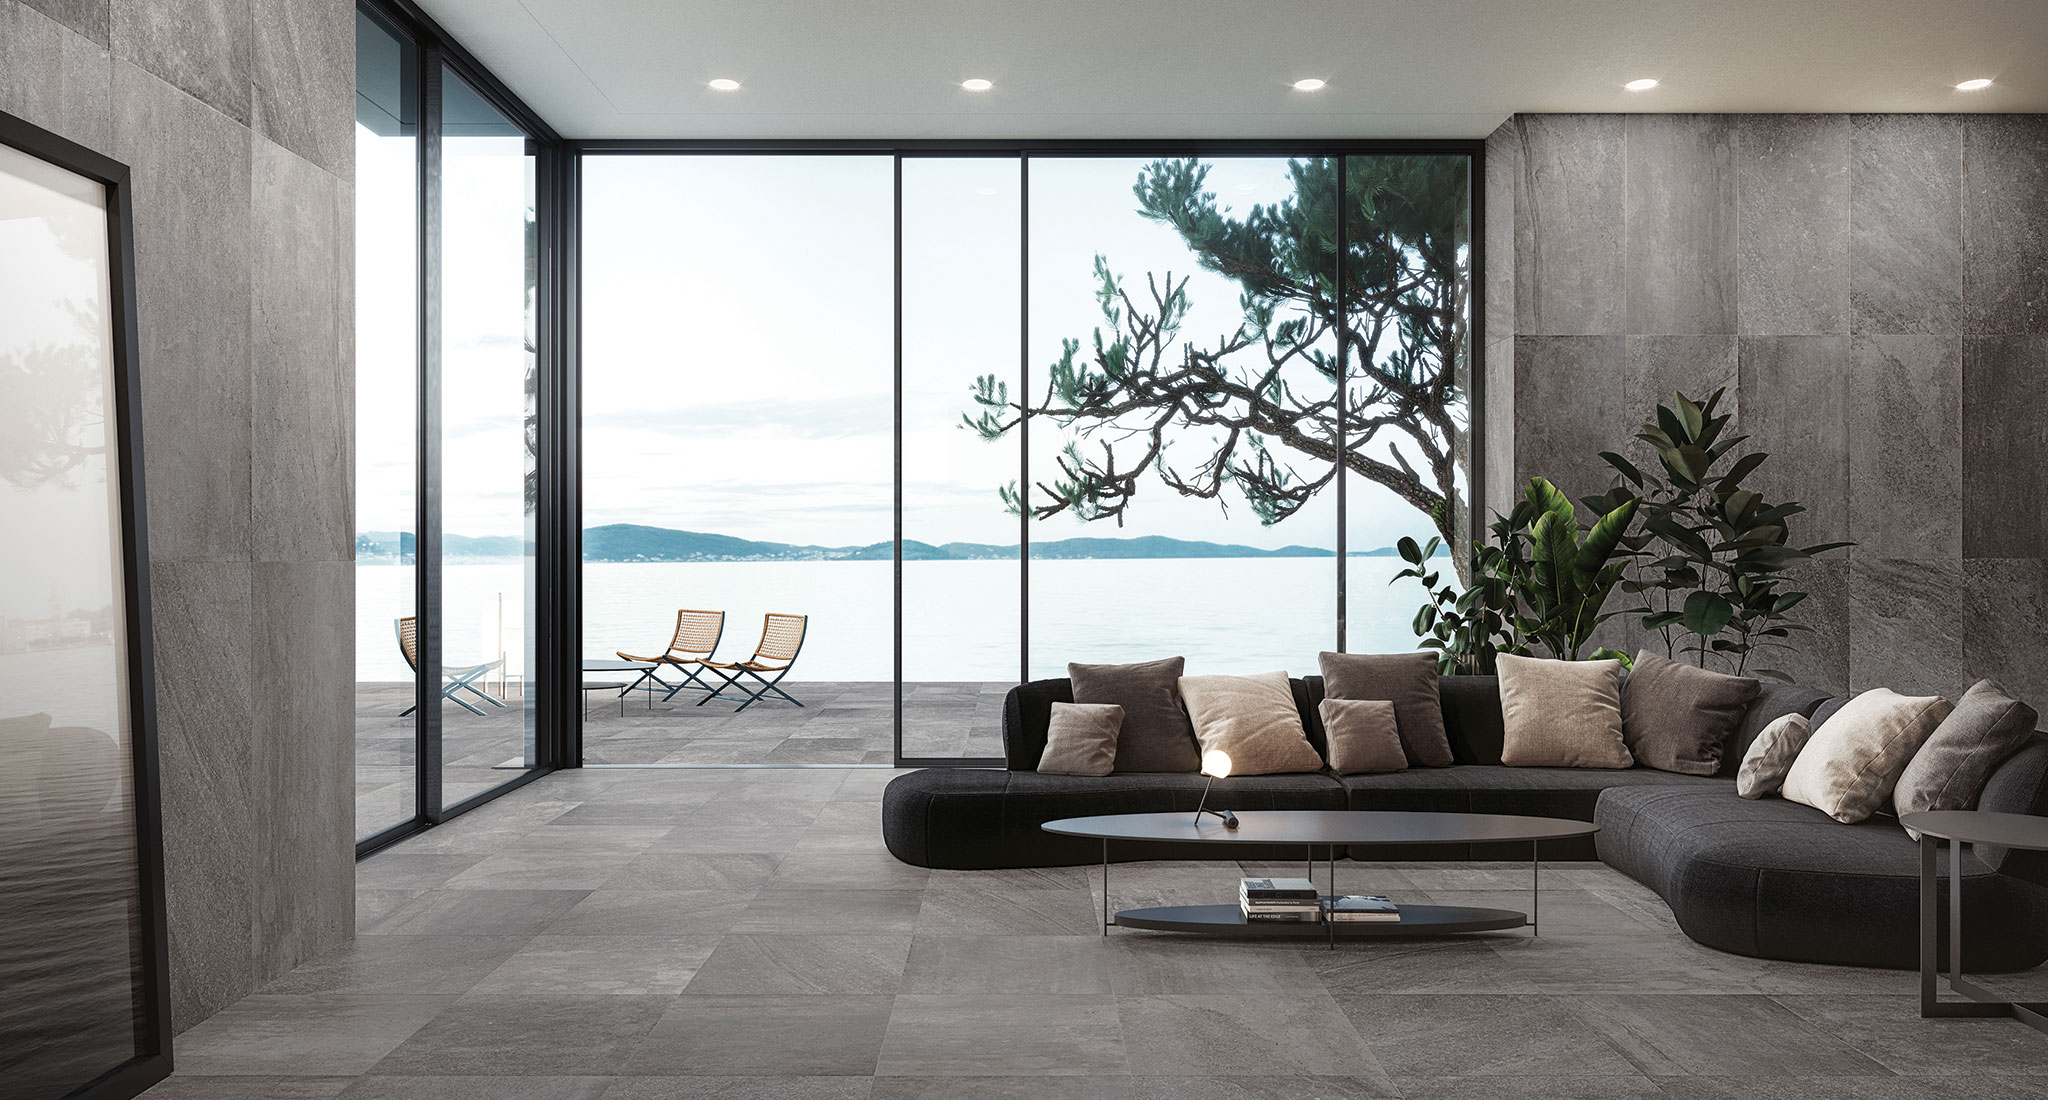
(697, 635)
(782, 638)
(459, 679)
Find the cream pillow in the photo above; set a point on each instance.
(1364, 736)
(1081, 739)
(1851, 763)
(1253, 718)
(1770, 756)
(1561, 714)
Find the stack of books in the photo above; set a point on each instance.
(1362, 907)
(1279, 899)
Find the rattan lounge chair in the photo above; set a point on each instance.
(458, 679)
(697, 635)
(782, 638)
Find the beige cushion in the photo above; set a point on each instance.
(1156, 736)
(1678, 717)
(1770, 756)
(1409, 681)
(1081, 739)
(1850, 764)
(1561, 714)
(1950, 770)
(1252, 718)
(1364, 736)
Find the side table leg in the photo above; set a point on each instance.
(1955, 913)
(1535, 884)
(1929, 951)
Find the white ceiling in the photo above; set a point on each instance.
(1222, 68)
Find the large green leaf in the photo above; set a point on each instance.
(1707, 613)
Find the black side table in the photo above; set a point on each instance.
(1960, 827)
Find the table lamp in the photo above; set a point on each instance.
(1215, 765)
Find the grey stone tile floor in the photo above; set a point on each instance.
(669, 934)
(839, 723)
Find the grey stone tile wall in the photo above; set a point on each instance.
(1873, 289)
(234, 117)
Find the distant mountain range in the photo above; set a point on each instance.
(626, 542)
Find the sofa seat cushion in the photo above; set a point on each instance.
(1781, 880)
(1496, 789)
(971, 818)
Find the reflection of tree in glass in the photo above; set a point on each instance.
(52, 407)
(1145, 387)
(532, 364)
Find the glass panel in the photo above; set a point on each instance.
(1183, 374)
(488, 455)
(1408, 288)
(387, 425)
(70, 947)
(737, 451)
(961, 561)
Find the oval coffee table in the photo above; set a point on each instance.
(1324, 829)
(1959, 827)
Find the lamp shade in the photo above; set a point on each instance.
(1216, 764)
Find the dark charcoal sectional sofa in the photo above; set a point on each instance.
(1768, 878)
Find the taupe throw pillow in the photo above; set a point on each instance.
(1364, 736)
(1252, 718)
(1950, 770)
(1157, 736)
(1849, 766)
(1081, 739)
(1677, 717)
(1770, 756)
(1563, 714)
(1407, 680)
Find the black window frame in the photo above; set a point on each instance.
(557, 733)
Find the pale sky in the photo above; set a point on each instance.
(738, 342)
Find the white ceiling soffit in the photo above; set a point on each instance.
(1224, 68)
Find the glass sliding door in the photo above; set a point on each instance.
(387, 424)
(737, 446)
(962, 562)
(487, 394)
(1407, 307)
(1182, 381)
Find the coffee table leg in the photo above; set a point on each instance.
(1535, 884)
(1330, 925)
(1930, 952)
(1105, 886)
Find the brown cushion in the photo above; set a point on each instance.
(1770, 756)
(1950, 770)
(1561, 714)
(1253, 718)
(1081, 739)
(1677, 717)
(1849, 766)
(1156, 734)
(1407, 680)
(1364, 736)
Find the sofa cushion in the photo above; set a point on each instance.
(1677, 717)
(1472, 717)
(1772, 702)
(1561, 713)
(1081, 739)
(1407, 680)
(1253, 720)
(1950, 770)
(1157, 736)
(1365, 737)
(1850, 764)
(1770, 756)
(1495, 789)
(1027, 712)
(2019, 786)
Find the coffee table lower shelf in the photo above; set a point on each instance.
(1228, 920)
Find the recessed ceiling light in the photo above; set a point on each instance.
(725, 84)
(1311, 84)
(977, 84)
(1643, 85)
(1977, 85)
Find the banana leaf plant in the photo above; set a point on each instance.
(1711, 562)
(1568, 576)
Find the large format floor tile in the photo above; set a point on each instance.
(744, 935)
